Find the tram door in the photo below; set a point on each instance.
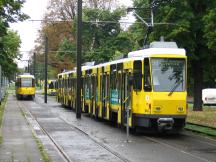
(105, 93)
(93, 94)
(126, 104)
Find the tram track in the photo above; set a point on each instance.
(116, 154)
(98, 142)
(58, 147)
(152, 139)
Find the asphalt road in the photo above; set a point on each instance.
(90, 140)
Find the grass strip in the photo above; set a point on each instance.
(200, 129)
(2, 107)
(205, 117)
(43, 153)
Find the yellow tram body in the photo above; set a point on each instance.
(51, 87)
(25, 86)
(150, 84)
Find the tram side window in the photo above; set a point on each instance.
(147, 76)
(59, 83)
(113, 80)
(18, 83)
(51, 85)
(33, 82)
(56, 85)
(137, 73)
(64, 85)
(70, 82)
(89, 85)
(66, 80)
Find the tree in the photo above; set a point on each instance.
(61, 10)
(56, 32)
(102, 4)
(60, 27)
(188, 28)
(9, 51)
(99, 35)
(68, 49)
(10, 12)
(210, 33)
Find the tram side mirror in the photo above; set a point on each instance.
(147, 87)
(131, 80)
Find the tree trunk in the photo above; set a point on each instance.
(198, 82)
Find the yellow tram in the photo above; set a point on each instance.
(51, 87)
(25, 86)
(149, 83)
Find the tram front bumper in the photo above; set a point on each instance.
(165, 123)
(159, 121)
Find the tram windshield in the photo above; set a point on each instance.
(168, 74)
(51, 85)
(26, 82)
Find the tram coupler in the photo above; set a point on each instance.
(165, 123)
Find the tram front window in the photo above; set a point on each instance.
(168, 74)
(26, 82)
(51, 85)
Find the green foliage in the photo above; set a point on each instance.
(9, 40)
(10, 11)
(10, 44)
(192, 25)
(200, 129)
(2, 108)
(210, 33)
(103, 37)
(66, 48)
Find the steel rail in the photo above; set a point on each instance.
(60, 150)
(92, 138)
(152, 139)
(98, 142)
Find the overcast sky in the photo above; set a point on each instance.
(28, 31)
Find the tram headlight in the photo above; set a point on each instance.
(157, 109)
(180, 109)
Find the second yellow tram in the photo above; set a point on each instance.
(25, 86)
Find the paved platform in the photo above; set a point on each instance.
(18, 142)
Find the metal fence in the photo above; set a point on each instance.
(3, 84)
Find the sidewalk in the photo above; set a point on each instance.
(18, 142)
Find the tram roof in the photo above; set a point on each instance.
(25, 76)
(135, 55)
(149, 52)
(66, 72)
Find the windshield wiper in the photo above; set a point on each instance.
(174, 87)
